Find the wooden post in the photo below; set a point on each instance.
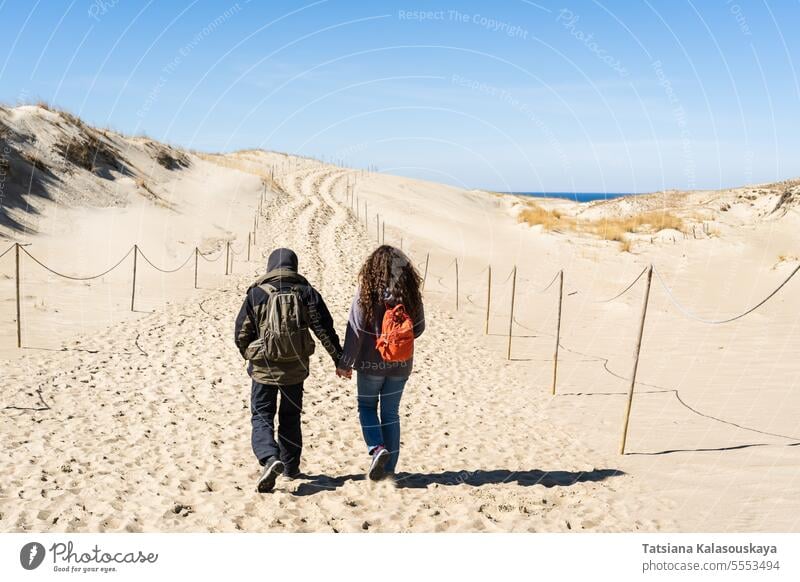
(456, 283)
(511, 317)
(488, 300)
(254, 231)
(133, 285)
(425, 276)
(558, 328)
(383, 234)
(196, 253)
(19, 310)
(636, 360)
(248, 246)
(401, 243)
(227, 256)
(378, 228)
(233, 256)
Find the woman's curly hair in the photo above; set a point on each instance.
(388, 269)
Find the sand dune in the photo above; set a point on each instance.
(142, 422)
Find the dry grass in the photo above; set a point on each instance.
(613, 229)
(172, 159)
(88, 153)
(70, 117)
(5, 150)
(151, 195)
(142, 185)
(535, 215)
(36, 162)
(647, 223)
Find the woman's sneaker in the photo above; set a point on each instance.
(272, 468)
(377, 469)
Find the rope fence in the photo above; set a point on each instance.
(625, 290)
(204, 256)
(647, 274)
(20, 249)
(8, 250)
(690, 315)
(75, 278)
(229, 251)
(175, 270)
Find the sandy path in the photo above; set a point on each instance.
(152, 432)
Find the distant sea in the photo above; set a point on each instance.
(576, 196)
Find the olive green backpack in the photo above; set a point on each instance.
(284, 328)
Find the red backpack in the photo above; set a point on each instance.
(396, 341)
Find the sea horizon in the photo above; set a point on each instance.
(576, 196)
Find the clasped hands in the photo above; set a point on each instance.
(344, 372)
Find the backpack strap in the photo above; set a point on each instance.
(297, 289)
(268, 287)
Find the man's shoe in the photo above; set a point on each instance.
(377, 469)
(272, 468)
(291, 472)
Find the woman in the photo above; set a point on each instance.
(387, 279)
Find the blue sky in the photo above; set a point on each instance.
(511, 95)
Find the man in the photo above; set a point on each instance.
(272, 334)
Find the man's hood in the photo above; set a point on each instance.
(285, 259)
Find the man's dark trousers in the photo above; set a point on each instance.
(264, 405)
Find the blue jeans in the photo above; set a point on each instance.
(386, 430)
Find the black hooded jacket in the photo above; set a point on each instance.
(282, 273)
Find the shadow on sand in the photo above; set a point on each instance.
(320, 483)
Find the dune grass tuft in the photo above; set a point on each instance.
(613, 229)
(535, 215)
(88, 153)
(172, 159)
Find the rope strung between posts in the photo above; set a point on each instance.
(482, 271)
(690, 315)
(509, 276)
(71, 277)
(447, 269)
(439, 275)
(550, 284)
(203, 256)
(7, 250)
(167, 270)
(628, 288)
